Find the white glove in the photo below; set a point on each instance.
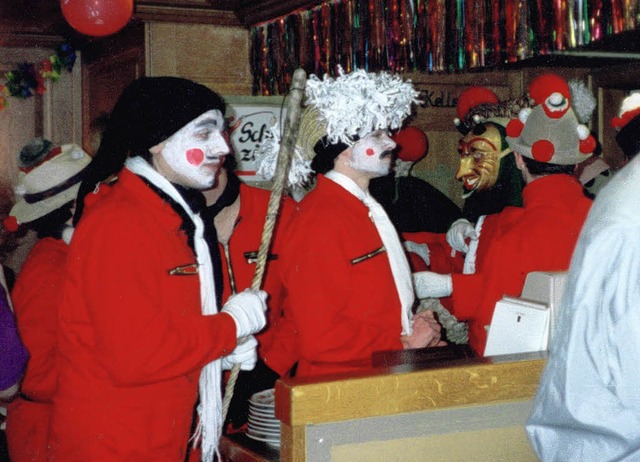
(459, 232)
(247, 310)
(432, 285)
(245, 354)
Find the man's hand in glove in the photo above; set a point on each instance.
(432, 285)
(459, 232)
(247, 310)
(245, 354)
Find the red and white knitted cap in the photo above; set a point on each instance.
(550, 131)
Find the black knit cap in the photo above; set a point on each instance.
(149, 111)
(628, 138)
(326, 153)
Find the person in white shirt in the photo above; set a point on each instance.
(587, 407)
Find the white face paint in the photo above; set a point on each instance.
(193, 155)
(373, 154)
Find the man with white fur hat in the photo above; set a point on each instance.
(50, 177)
(547, 142)
(347, 278)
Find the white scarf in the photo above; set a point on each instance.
(470, 258)
(210, 408)
(394, 250)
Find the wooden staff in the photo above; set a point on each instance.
(287, 148)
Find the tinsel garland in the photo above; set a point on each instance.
(28, 78)
(426, 35)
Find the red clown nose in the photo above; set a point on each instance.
(413, 144)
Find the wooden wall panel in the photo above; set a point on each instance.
(612, 85)
(62, 114)
(212, 55)
(103, 82)
(109, 65)
(21, 120)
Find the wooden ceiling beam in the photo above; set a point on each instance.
(155, 11)
(251, 12)
(21, 40)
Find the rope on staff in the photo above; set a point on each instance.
(287, 147)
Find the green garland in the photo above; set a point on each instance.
(28, 79)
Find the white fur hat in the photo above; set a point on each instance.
(50, 184)
(342, 109)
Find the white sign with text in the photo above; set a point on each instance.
(249, 118)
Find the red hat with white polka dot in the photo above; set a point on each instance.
(550, 132)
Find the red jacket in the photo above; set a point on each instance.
(132, 339)
(243, 249)
(36, 297)
(341, 293)
(540, 236)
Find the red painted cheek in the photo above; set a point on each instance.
(370, 151)
(195, 156)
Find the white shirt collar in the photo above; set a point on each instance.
(347, 183)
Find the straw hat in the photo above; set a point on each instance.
(50, 183)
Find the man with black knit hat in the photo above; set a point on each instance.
(346, 276)
(139, 326)
(540, 235)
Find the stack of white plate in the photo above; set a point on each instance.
(263, 425)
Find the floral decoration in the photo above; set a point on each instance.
(28, 78)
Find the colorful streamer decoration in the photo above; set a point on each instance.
(426, 35)
(28, 79)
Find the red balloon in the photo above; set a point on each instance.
(97, 17)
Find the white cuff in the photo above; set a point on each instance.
(432, 285)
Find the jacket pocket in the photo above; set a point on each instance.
(368, 255)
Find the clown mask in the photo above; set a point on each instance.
(373, 154)
(192, 156)
(480, 153)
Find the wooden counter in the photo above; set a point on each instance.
(455, 410)
(437, 406)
